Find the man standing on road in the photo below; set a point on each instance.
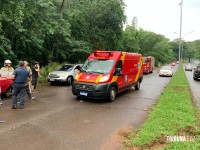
(28, 83)
(20, 76)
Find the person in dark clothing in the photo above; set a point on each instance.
(35, 75)
(20, 75)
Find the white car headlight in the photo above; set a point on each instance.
(62, 74)
(104, 78)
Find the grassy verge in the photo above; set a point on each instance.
(174, 115)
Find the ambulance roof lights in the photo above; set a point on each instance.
(103, 53)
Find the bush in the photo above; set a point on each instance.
(45, 70)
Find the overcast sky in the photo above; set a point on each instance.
(163, 17)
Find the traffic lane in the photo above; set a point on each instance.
(74, 124)
(194, 86)
(50, 100)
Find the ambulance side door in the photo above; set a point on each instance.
(119, 73)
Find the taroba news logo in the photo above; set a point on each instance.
(180, 138)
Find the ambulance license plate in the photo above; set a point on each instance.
(83, 93)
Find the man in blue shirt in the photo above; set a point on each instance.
(20, 75)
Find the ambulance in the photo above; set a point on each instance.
(107, 73)
(148, 64)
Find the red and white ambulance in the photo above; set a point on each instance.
(148, 64)
(107, 73)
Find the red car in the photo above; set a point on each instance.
(5, 83)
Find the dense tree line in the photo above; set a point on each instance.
(68, 30)
(188, 50)
(148, 44)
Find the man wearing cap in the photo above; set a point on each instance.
(20, 76)
(7, 66)
(28, 83)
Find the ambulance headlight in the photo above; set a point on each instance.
(104, 78)
(76, 77)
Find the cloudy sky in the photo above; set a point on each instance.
(163, 17)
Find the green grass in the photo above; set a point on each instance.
(173, 115)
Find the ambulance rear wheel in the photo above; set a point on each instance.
(112, 94)
(137, 86)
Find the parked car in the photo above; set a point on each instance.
(177, 62)
(188, 67)
(64, 74)
(166, 71)
(196, 74)
(6, 84)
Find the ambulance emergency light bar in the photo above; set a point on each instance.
(102, 53)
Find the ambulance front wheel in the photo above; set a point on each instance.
(112, 94)
(137, 86)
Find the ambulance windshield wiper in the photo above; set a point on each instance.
(97, 72)
(90, 72)
(82, 70)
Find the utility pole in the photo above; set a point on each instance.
(180, 38)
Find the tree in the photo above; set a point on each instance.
(130, 40)
(148, 44)
(134, 22)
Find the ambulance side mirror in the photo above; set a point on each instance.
(118, 72)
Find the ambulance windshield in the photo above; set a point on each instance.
(98, 66)
(144, 59)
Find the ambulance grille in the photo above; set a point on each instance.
(84, 87)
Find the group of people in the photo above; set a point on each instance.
(24, 81)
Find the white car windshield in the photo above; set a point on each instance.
(166, 68)
(98, 66)
(66, 68)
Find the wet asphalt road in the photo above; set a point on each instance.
(58, 121)
(194, 85)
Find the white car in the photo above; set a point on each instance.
(65, 74)
(188, 67)
(166, 71)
